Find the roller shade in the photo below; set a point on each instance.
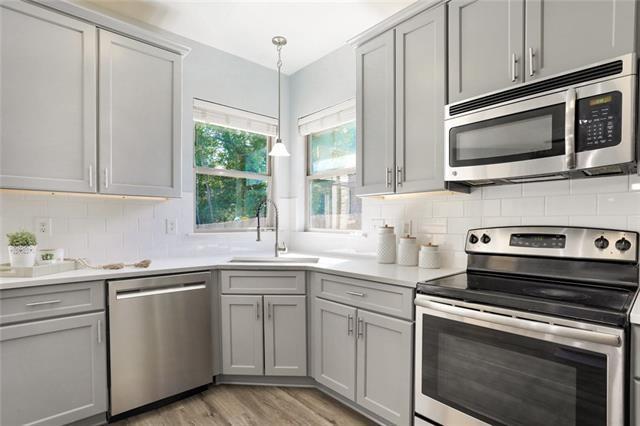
(327, 118)
(222, 115)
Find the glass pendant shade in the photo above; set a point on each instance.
(279, 150)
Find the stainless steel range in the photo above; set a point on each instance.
(534, 333)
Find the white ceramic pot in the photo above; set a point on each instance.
(408, 251)
(22, 256)
(429, 257)
(386, 250)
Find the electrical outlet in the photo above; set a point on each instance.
(44, 226)
(172, 226)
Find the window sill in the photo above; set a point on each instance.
(336, 231)
(227, 231)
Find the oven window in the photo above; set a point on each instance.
(506, 379)
(524, 136)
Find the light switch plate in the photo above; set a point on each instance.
(172, 226)
(44, 226)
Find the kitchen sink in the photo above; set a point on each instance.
(268, 259)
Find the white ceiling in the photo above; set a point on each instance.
(244, 28)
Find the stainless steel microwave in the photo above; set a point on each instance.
(577, 124)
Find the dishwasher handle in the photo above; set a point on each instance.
(134, 293)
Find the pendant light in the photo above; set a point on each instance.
(279, 150)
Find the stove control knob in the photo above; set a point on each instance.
(485, 239)
(473, 239)
(623, 244)
(601, 243)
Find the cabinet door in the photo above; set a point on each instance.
(420, 100)
(375, 116)
(53, 372)
(140, 118)
(485, 46)
(285, 335)
(591, 30)
(385, 366)
(47, 100)
(241, 324)
(334, 347)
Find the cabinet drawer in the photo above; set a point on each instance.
(370, 295)
(262, 282)
(26, 304)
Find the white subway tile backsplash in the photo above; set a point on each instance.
(533, 206)
(432, 225)
(501, 191)
(479, 208)
(489, 222)
(556, 187)
(546, 220)
(463, 224)
(619, 204)
(571, 205)
(90, 225)
(603, 184)
(606, 222)
(67, 207)
(448, 208)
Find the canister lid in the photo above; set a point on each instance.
(386, 229)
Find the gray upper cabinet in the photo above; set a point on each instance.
(285, 335)
(54, 372)
(140, 118)
(384, 366)
(485, 46)
(420, 100)
(334, 347)
(47, 100)
(375, 121)
(242, 335)
(591, 30)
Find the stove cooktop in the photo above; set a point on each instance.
(587, 302)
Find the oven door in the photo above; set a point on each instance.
(552, 134)
(477, 365)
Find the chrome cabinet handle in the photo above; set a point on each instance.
(399, 175)
(99, 331)
(106, 178)
(514, 63)
(532, 69)
(46, 302)
(90, 175)
(360, 328)
(131, 294)
(269, 310)
(387, 172)
(258, 309)
(355, 293)
(570, 129)
(349, 325)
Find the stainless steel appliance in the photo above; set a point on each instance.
(160, 338)
(533, 333)
(578, 124)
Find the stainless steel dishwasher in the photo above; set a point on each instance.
(160, 338)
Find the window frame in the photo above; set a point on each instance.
(317, 176)
(237, 174)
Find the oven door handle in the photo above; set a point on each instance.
(570, 129)
(522, 324)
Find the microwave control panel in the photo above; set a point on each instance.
(599, 121)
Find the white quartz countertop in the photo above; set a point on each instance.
(364, 268)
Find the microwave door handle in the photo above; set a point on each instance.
(570, 129)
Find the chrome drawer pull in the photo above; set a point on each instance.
(354, 293)
(46, 302)
(349, 325)
(130, 294)
(360, 328)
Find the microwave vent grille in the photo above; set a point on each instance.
(588, 74)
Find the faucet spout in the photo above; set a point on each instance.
(266, 202)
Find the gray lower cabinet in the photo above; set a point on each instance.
(47, 100)
(53, 371)
(285, 335)
(375, 121)
(334, 347)
(591, 30)
(420, 99)
(485, 46)
(366, 357)
(139, 84)
(242, 334)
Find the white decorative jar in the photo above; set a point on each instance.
(386, 250)
(49, 256)
(408, 251)
(22, 256)
(429, 257)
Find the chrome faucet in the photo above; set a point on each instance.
(278, 249)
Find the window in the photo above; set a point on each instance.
(331, 179)
(232, 176)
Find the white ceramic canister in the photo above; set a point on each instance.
(386, 250)
(429, 257)
(408, 251)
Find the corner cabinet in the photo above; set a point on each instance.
(400, 105)
(87, 92)
(140, 115)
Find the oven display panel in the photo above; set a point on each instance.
(538, 240)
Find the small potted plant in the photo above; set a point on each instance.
(22, 249)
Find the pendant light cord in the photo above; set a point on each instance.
(279, 63)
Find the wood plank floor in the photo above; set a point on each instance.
(251, 405)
